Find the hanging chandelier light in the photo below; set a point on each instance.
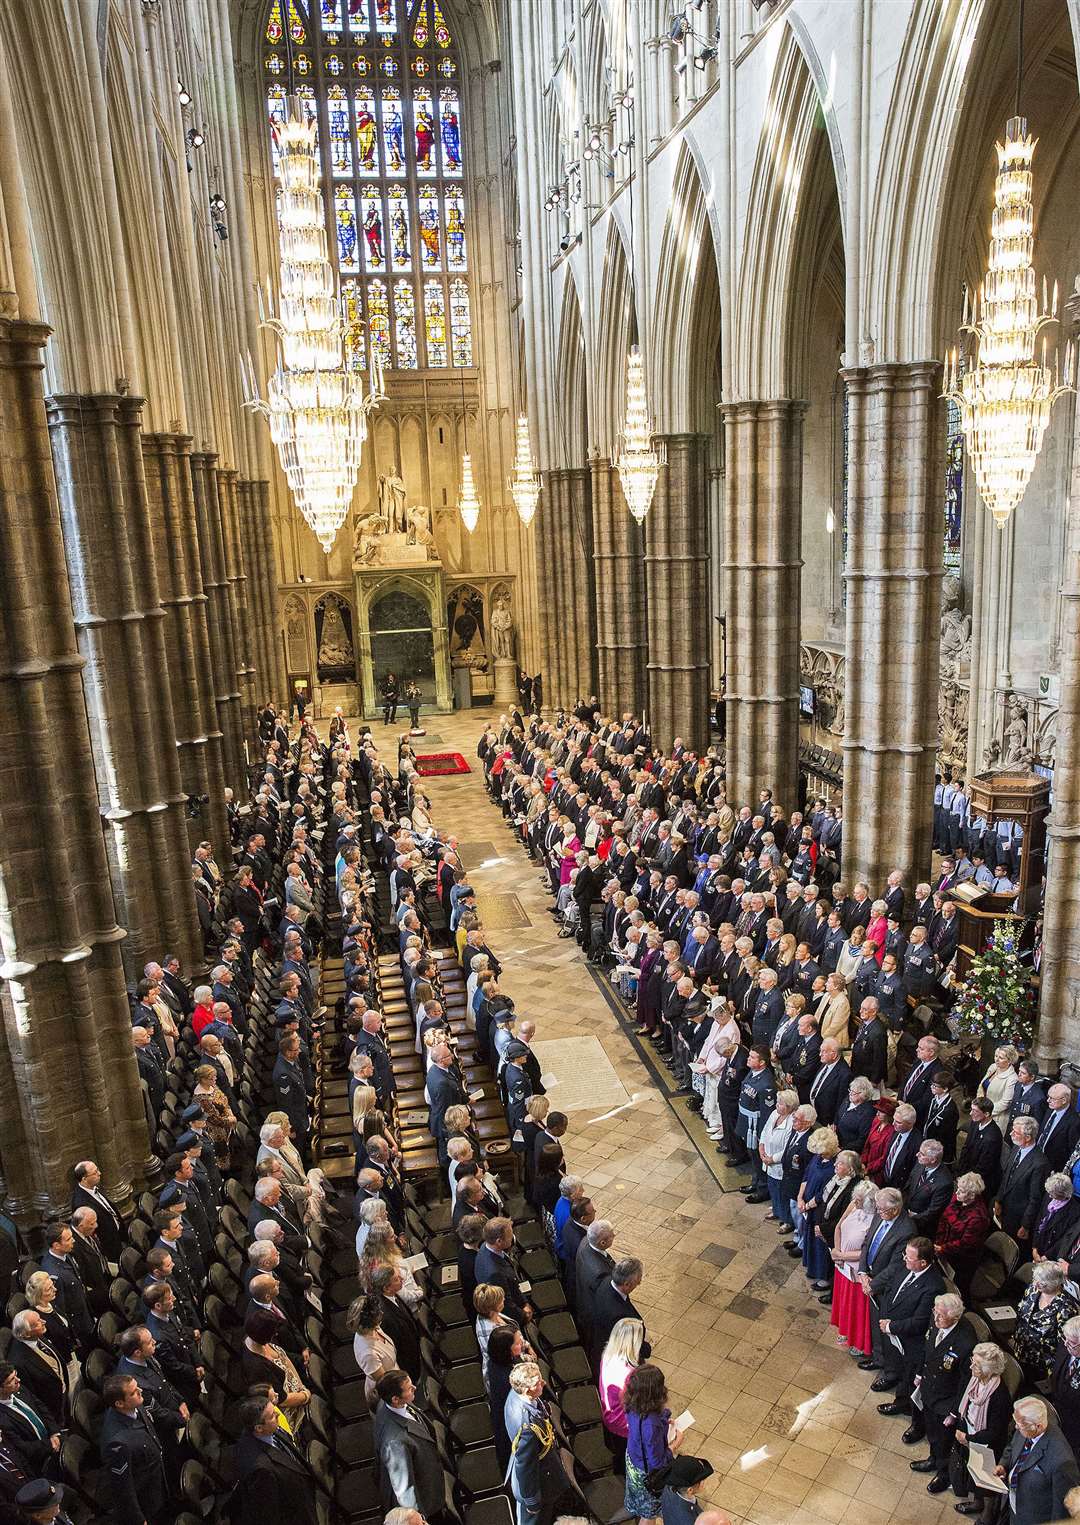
(639, 460)
(468, 502)
(524, 484)
(316, 405)
(1003, 391)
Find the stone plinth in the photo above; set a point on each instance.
(505, 681)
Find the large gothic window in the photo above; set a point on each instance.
(382, 79)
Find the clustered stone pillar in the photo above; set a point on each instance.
(226, 690)
(245, 494)
(565, 587)
(262, 587)
(236, 578)
(68, 1077)
(176, 553)
(677, 580)
(762, 538)
(97, 456)
(619, 582)
(893, 579)
(1058, 1033)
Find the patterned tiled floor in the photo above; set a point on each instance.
(781, 1412)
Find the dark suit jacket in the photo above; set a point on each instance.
(1043, 1478)
(916, 1089)
(40, 1384)
(927, 1197)
(1054, 1238)
(500, 1271)
(1065, 1398)
(982, 1153)
(945, 1368)
(21, 1440)
(608, 1307)
(411, 1472)
(870, 1051)
(942, 1125)
(910, 1308)
(276, 1485)
(71, 1294)
(402, 1329)
(853, 1124)
(1021, 1190)
(445, 1091)
(131, 1454)
(898, 1172)
(1063, 1139)
(891, 1247)
(831, 1092)
(590, 1269)
(110, 1225)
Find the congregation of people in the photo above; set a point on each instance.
(805, 1020)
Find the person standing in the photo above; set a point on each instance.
(391, 692)
(413, 698)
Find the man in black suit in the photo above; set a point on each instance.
(612, 1302)
(398, 1321)
(131, 1454)
(1039, 1466)
(71, 1301)
(904, 1305)
(268, 1206)
(88, 1193)
(90, 1258)
(929, 1189)
(1029, 1095)
(888, 1234)
(593, 1264)
(1021, 1189)
(943, 1368)
(370, 1041)
(983, 1145)
(275, 1484)
(151, 1069)
(445, 1090)
(1065, 1382)
(870, 1049)
(829, 1086)
(916, 1088)
(26, 1432)
(903, 1148)
(264, 1291)
(42, 1373)
(942, 1115)
(495, 1265)
(1060, 1128)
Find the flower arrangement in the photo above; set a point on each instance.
(997, 1001)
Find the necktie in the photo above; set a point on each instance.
(31, 1418)
(818, 1080)
(1025, 1451)
(875, 1243)
(894, 1149)
(913, 1077)
(909, 1277)
(1048, 1128)
(941, 1334)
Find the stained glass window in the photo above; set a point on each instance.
(435, 322)
(379, 320)
(381, 79)
(404, 325)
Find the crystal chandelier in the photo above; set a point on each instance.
(639, 460)
(468, 503)
(316, 404)
(524, 484)
(1003, 392)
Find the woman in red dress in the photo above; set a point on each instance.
(876, 1149)
(963, 1229)
(850, 1304)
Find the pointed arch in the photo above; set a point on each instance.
(797, 128)
(686, 316)
(617, 331)
(572, 420)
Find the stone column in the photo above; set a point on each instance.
(176, 554)
(245, 493)
(546, 596)
(619, 582)
(1058, 1033)
(893, 577)
(236, 577)
(762, 542)
(558, 680)
(263, 540)
(97, 456)
(581, 610)
(677, 579)
(68, 1077)
(222, 659)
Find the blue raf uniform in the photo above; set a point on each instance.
(892, 1001)
(757, 1098)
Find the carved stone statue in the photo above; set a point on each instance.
(392, 503)
(1016, 752)
(953, 725)
(420, 530)
(502, 631)
(335, 648)
(955, 632)
(369, 528)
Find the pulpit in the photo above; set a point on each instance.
(1024, 799)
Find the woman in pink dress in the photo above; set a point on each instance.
(850, 1304)
(877, 930)
(622, 1355)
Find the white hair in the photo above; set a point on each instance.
(265, 1186)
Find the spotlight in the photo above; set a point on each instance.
(679, 27)
(564, 242)
(222, 231)
(706, 56)
(182, 92)
(217, 202)
(195, 137)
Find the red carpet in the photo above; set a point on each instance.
(440, 764)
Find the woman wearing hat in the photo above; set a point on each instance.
(876, 1149)
(686, 1478)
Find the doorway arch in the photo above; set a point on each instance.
(402, 628)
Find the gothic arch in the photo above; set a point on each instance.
(572, 420)
(686, 332)
(617, 331)
(797, 126)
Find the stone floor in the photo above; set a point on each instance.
(781, 1412)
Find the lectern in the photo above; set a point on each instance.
(1004, 795)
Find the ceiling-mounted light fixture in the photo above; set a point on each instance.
(524, 484)
(468, 501)
(182, 93)
(195, 137)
